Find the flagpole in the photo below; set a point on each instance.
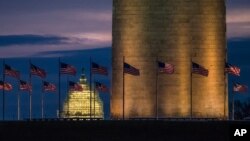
(123, 91)
(233, 105)
(3, 87)
(18, 106)
(30, 94)
(191, 86)
(225, 90)
(68, 95)
(156, 90)
(94, 101)
(90, 61)
(59, 87)
(42, 100)
(18, 102)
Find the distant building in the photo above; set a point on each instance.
(77, 104)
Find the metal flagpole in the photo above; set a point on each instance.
(3, 87)
(18, 102)
(156, 89)
(225, 91)
(191, 87)
(68, 95)
(59, 87)
(90, 73)
(30, 94)
(233, 106)
(42, 100)
(123, 91)
(18, 106)
(94, 101)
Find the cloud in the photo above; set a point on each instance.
(32, 45)
(9, 40)
(238, 19)
(78, 25)
(238, 16)
(102, 52)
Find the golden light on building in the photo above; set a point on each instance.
(177, 32)
(77, 104)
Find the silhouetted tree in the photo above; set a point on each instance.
(242, 109)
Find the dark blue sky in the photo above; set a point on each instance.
(77, 29)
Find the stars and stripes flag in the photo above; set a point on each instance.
(74, 86)
(97, 69)
(231, 69)
(25, 86)
(67, 69)
(198, 69)
(49, 86)
(37, 71)
(101, 87)
(11, 72)
(240, 88)
(6, 86)
(165, 68)
(130, 69)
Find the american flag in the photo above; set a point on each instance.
(101, 87)
(198, 69)
(25, 86)
(6, 86)
(240, 88)
(37, 71)
(74, 86)
(165, 68)
(67, 69)
(49, 86)
(11, 72)
(97, 69)
(130, 69)
(232, 69)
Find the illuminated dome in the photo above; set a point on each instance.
(77, 104)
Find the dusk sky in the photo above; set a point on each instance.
(62, 28)
(32, 27)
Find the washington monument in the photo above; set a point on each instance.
(174, 31)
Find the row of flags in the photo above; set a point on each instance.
(24, 86)
(50, 87)
(163, 67)
(64, 69)
(76, 87)
(168, 68)
(237, 87)
(47, 86)
(97, 69)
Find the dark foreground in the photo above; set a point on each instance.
(145, 130)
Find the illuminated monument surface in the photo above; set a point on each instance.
(77, 104)
(176, 32)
